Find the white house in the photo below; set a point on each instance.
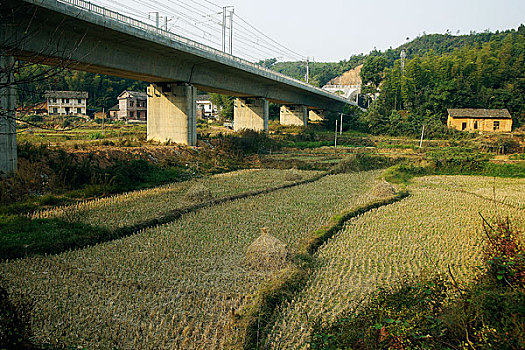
(66, 102)
(133, 105)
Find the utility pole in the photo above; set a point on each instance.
(103, 120)
(341, 125)
(156, 17)
(307, 70)
(227, 29)
(422, 134)
(335, 138)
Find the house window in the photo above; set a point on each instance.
(67, 110)
(131, 103)
(496, 125)
(131, 114)
(79, 100)
(79, 110)
(476, 125)
(66, 100)
(58, 100)
(55, 110)
(463, 125)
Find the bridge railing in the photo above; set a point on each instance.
(341, 86)
(113, 15)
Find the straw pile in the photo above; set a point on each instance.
(199, 193)
(293, 175)
(383, 189)
(266, 253)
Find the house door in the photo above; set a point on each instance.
(463, 126)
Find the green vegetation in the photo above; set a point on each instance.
(453, 161)
(21, 236)
(478, 76)
(48, 171)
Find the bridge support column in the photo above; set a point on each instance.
(294, 115)
(172, 113)
(316, 115)
(8, 156)
(251, 114)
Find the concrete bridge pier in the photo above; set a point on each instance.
(8, 155)
(294, 115)
(316, 115)
(251, 114)
(172, 113)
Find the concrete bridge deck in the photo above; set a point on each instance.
(81, 35)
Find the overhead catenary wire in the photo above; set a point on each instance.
(200, 20)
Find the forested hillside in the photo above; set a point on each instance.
(477, 75)
(322, 72)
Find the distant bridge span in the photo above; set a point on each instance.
(99, 40)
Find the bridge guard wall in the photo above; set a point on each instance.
(294, 115)
(251, 114)
(8, 154)
(172, 113)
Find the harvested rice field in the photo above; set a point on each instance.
(173, 286)
(437, 227)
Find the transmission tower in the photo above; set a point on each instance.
(403, 55)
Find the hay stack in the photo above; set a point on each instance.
(383, 189)
(199, 193)
(266, 253)
(293, 175)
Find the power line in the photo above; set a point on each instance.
(199, 22)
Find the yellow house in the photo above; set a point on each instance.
(477, 119)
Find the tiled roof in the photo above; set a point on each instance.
(134, 94)
(66, 94)
(479, 113)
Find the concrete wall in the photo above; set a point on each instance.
(484, 125)
(172, 113)
(8, 156)
(251, 114)
(294, 115)
(316, 115)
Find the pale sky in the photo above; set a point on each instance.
(331, 30)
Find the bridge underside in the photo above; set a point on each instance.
(57, 34)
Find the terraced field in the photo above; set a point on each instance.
(174, 286)
(426, 233)
(504, 190)
(138, 206)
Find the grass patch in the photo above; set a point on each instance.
(21, 236)
(361, 162)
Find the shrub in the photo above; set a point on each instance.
(361, 162)
(15, 324)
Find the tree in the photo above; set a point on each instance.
(372, 71)
(224, 103)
